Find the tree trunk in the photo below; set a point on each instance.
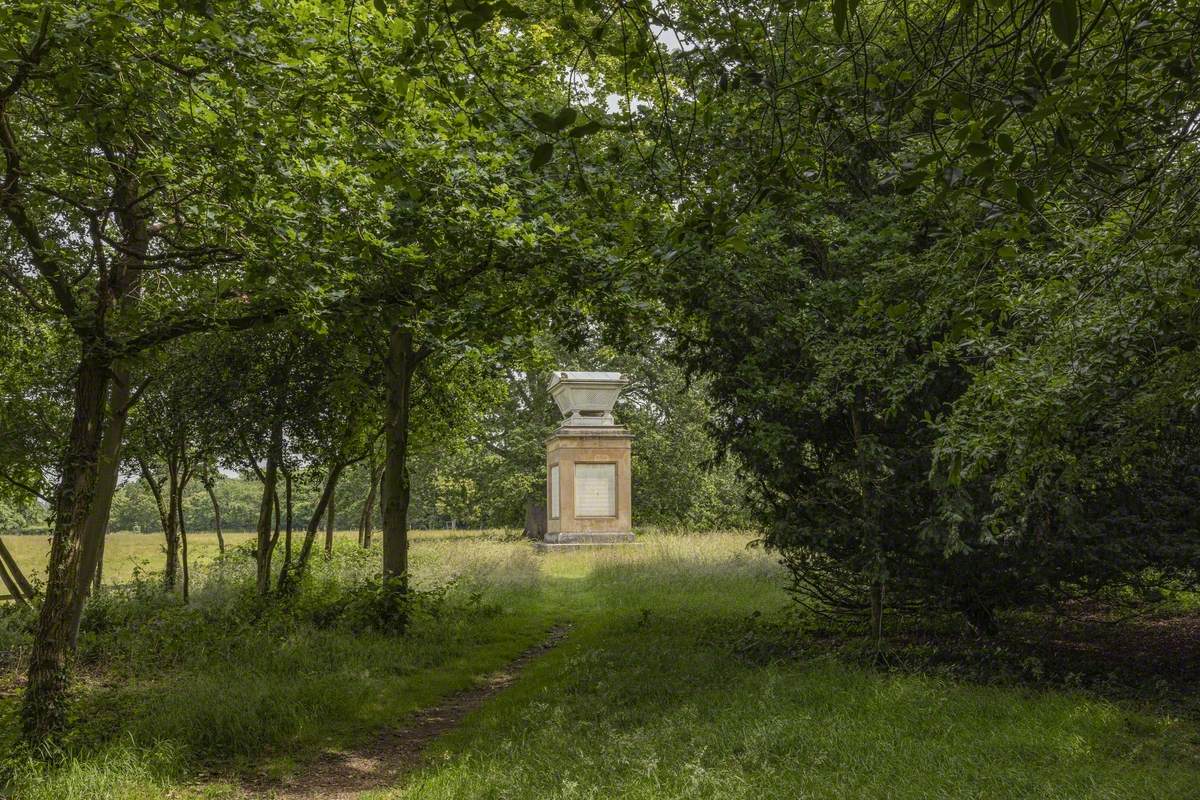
(278, 517)
(210, 488)
(395, 488)
(296, 574)
(10, 583)
(287, 540)
(167, 517)
(18, 587)
(98, 578)
(367, 522)
(265, 542)
(535, 520)
(44, 710)
(331, 517)
(187, 581)
(171, 573)
(184, 479)
(877, 611)
(124, 284)
(107, 472)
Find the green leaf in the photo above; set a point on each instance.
(1026, 198)
(506, 9)
(985, 168)
(586, 129)
(1064, 19)
(910, 181)
(544, 121)
(471, 21)
(839, 16)
(381, 6)
(564, 117)
(541, 155)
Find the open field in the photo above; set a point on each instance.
(658, 691)
(126, 554)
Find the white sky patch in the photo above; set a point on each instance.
(670, 38)
(583, 93)
(579, 85)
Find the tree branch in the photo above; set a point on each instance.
(10, 203)
(174, 330)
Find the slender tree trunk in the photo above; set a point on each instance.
(165, 515)
(395, 488)
(875, 593)
(265, 542)
(18, 587)
(171, 529)
(367, 524)
(171, 570)
(98, 579)
(287, 542)
(187, 581)
(331, 517)
(278, 517)
(296, 574)
(210, 488)
(107, 472)
(10, 583)
(877, 611)
(44, 710)
(184, 479)
(368, 517)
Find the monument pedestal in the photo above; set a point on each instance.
(588, 467)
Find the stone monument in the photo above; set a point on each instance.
(587, 464)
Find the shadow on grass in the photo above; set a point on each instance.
(660, 698)
(1151, 660)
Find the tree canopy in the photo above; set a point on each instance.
(919, 280)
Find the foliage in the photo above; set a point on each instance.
(943, 285)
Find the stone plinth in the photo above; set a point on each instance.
(588, 485)
(588, 468)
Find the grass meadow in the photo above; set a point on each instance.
(661, 690)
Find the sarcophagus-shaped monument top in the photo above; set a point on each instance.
(586, 399)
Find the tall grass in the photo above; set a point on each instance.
(230, 683)
(651, 696)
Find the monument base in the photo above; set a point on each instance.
(583, 540)
(589, 537)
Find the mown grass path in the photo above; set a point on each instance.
(379, 763)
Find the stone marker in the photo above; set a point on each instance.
(587, 464)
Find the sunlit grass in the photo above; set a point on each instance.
(127, 554)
